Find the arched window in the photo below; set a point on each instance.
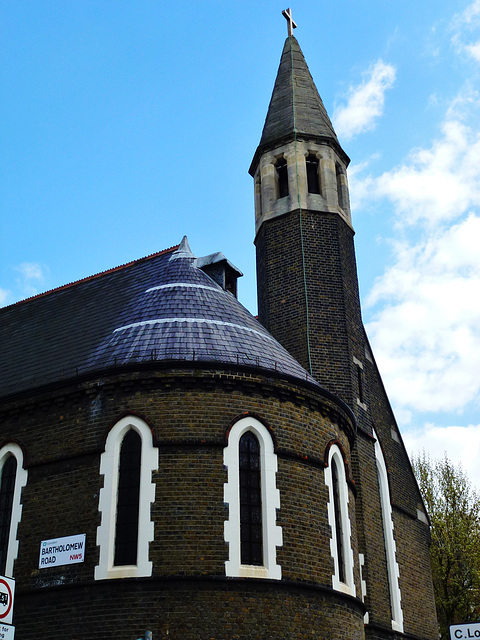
(128, 500)
(126, 529)
(340, 542)
(251, 526)
(253, 499)
(13, 478)
(390, 548)
(282, 177)
(313, 181)
(340, 186)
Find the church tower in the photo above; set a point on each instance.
(307, 282)
(308, 299)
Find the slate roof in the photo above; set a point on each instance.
(296, 107)
(163, 307)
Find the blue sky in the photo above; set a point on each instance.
(126, 125)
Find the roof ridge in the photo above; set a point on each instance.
(92, 277)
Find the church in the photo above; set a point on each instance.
(173, 467)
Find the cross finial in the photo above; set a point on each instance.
(287, 14)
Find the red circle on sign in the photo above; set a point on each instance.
(4, 615)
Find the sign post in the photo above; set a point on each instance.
(7, 593)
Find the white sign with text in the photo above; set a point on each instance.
(7, 632)
(60, 551)
(465, 631)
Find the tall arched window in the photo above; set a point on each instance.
(128, 500)
(390, 548)
(126, 529)
(251, 526)
(338, 518)
(253, 499)
(340, 186)
(313, 177)
(282, 177)
(13, 478)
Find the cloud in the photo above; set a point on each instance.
(426, 329)
(32, 275)
(365, 102)
(4, 295)
(464, 25)
(461, 443)
(437, 183)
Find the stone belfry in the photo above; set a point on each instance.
(307, 282)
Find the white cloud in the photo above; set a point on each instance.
(365, 102)
(437, 183)
(32, 275)
(4, 295)
(461, 443)
(464, 25)
(426, 336)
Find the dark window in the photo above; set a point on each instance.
(338, 522)
(7, 488)
(282, 173)
(312, 174)
(251, 530)
(126, 529)
(341, 199)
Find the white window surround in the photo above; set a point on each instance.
(107, 504)
(272, 534)
(390, 548)
(12, 449)
(335, 457)
(363, 584)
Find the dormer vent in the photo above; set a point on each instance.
(221, 271)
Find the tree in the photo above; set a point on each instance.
(454, 509)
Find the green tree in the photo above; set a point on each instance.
(454, 510)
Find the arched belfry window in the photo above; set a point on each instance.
(253, 499)
(126, 529)
(282, 177)
(338, 518)
(13, 478)
(390, 548)
(340, 186)
(313, 176)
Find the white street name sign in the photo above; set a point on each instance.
(465, 631)
(59, 551)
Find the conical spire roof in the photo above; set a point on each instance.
(295, 107)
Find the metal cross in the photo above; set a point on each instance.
(287, 14)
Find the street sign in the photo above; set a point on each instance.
(59, 551)
(7, 592)
(465, 631)
(7, 632)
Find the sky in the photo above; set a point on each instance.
(126, 125)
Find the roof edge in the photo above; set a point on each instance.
(92, 277)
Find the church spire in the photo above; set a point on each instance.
(296, 108)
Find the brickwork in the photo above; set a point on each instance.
(189, 413)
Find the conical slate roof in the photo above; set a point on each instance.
(295, 107)
(159, 308)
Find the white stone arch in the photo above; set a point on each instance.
(347, 585)
(390, 547)
(107, 503)
(272, 533)
(13, 449)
